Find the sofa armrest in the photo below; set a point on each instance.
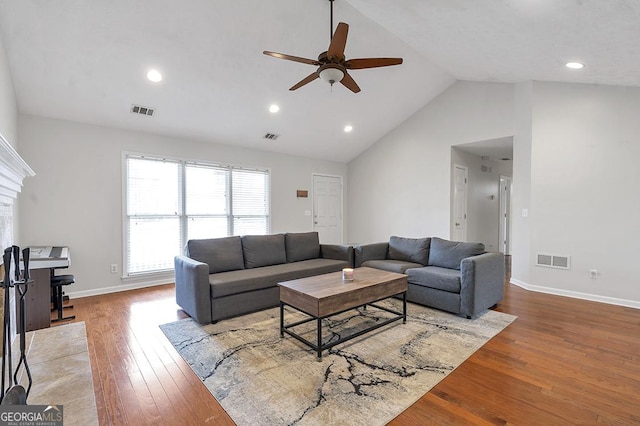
(373, 251)
(337, 252)
(193, 293)
(482, 282)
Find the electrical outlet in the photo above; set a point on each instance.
(114, 268)
(594, 273)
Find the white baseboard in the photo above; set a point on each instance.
(116, 289)
(514, 281)
(576, 294)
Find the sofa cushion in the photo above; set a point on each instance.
(414, 250)
(449, 254)
(263, 250)
(302, 246)
(390, 265)
(221, 254)
(372, 251)
(235, 282)
(445, 279)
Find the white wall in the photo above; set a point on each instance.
(401, 185)
(575, 172)
(75, 199)
(8, 107)
(521, 185)
(483, 197)
(585, 201)
(8, 129)
(9, 234)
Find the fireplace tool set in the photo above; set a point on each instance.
(14, 393)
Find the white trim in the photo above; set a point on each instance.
(13, 170)
(576, 294)
(119, 288)
(193, 161)
(505, 215)
(452, 219)
(123, 212)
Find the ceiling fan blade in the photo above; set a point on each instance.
(306, 80)
(358, 64)
(350, 83)
(291, 58)
(338, 42)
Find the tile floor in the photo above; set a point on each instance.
(58, 358)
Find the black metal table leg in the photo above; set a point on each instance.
(404, 307)
(281, 319)
(319, 339)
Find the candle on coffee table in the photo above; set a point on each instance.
(347, 274)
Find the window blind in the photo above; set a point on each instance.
(171, 201)
(153, 214)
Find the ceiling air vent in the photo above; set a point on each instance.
(142, 110)
(553, 261)
(271, 136)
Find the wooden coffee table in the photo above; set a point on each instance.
(325, 295)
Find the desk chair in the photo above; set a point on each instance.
(57, 282)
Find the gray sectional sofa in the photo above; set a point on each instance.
(224, 277)
(456, 277)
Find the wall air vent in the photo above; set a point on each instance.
(553, 261)
(271, 136)
(142, 110)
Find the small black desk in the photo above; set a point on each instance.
(38, 297)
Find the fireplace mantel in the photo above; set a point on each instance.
(13, 169)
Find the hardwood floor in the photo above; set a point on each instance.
(563, 361)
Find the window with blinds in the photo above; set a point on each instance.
(171, 201)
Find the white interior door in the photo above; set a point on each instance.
(460, 182)
(327, 208)
(505, 214)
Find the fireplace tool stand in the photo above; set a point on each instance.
(14, 393)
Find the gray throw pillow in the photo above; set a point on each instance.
(414, 250)
(263, 250)
(302, 246)
(221, 254)
(449, 254)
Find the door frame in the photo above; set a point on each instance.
(454, 200)
(313, 201)
(504, 238)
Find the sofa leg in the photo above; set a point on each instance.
(468, 316)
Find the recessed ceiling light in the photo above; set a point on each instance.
(154, 76)
(348, 128)
(574, 65)
(274, 108)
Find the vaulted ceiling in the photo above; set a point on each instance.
(86, 61)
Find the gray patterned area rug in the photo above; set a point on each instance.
(260, 378)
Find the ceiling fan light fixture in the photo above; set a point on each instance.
(331, 74)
